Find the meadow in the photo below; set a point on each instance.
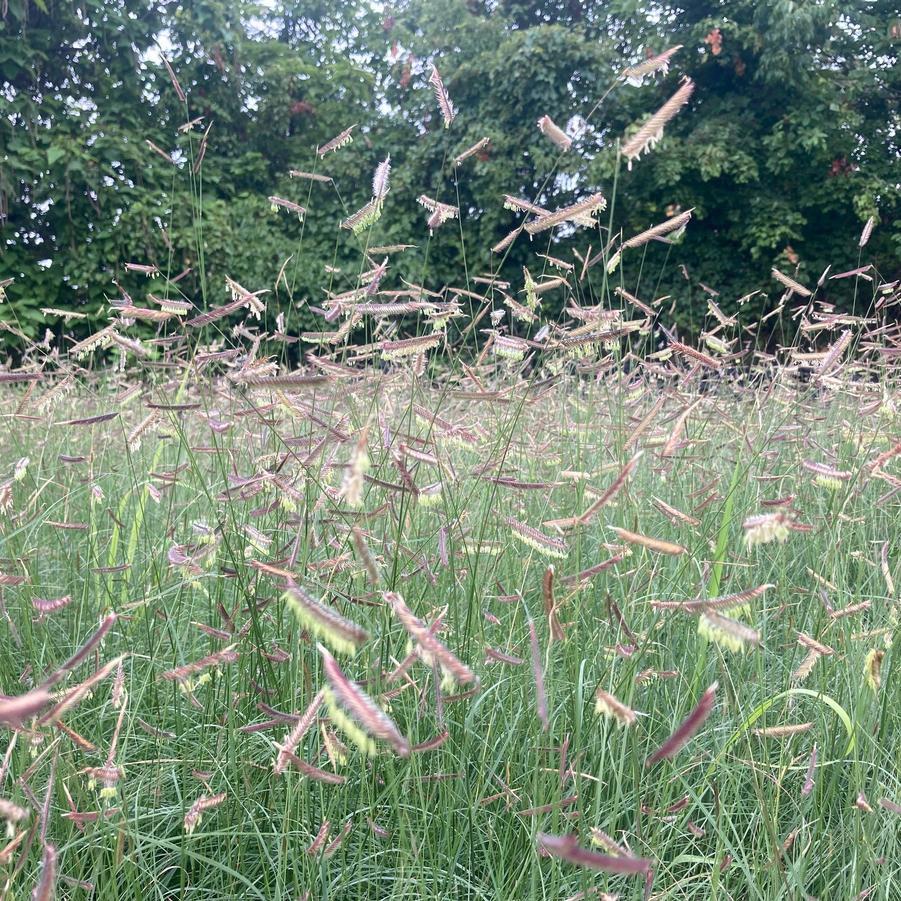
(457, 603)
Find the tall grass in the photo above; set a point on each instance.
(452, 471)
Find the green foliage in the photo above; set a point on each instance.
(789, 144)
(791, 140)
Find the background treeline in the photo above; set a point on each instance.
(790, 142)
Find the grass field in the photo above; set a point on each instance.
(366, 486)
(465, 602)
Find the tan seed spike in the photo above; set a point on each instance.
(652, 544)
(652, 130)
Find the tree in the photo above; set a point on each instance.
(788, 145)
(72, 110)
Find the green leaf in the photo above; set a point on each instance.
(762, 708)
(54, 153)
